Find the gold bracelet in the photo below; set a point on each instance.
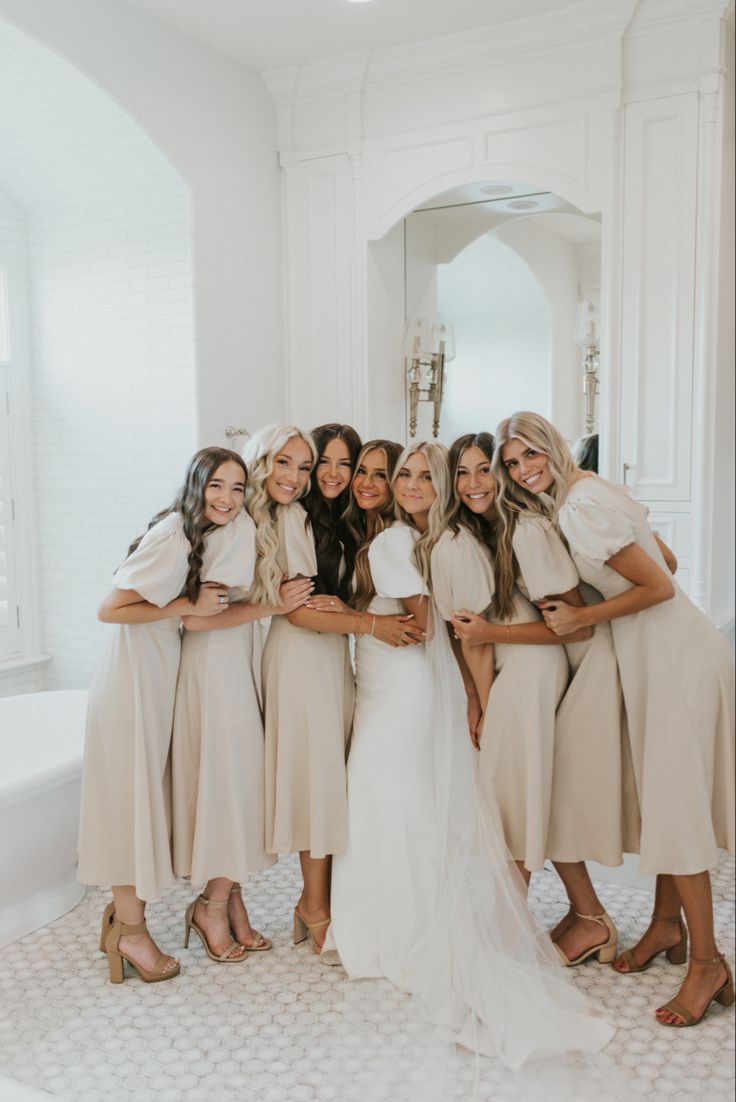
(373, 627)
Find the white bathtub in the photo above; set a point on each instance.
(41, 744)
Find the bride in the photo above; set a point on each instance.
(427, 894)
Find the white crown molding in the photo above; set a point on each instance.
(652, 16)
(579, 23)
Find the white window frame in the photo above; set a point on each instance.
(15, 396)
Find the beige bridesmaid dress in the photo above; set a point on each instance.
(308, 695)
(677, 678)
(517, 742)
(125, 820)
(217, 751)
(594, 813)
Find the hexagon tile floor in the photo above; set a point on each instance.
(285, 1028)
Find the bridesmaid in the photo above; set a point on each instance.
(217, 757)
(525, 746)
(676, 676)
(124, 829)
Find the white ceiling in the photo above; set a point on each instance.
(273, 34)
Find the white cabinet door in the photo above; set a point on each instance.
(658, 282)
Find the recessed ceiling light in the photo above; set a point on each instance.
(496, 189)
(359, 1)
(523, 204)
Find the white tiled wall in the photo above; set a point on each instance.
(502, 329)
(111, 341)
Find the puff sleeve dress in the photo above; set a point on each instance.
(308, 693)
(125, 814)
(383, 887)
(676, 675)
(217, 747)
(517, 742)
(594, 813)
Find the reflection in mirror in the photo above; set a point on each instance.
(507, 265)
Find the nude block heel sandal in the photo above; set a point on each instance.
(165, 967)
(606, 952)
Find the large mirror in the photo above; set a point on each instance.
(513, 273)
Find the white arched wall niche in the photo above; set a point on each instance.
(624, 108)
(214, 121)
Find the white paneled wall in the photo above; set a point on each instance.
(111, 350)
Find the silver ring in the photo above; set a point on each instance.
(222, 599)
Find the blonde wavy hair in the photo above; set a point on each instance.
(355, 519)
(259, 454)
(513, 500)
(436, 455)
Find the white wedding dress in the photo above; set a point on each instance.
(427, 894)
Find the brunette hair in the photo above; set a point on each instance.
(333, 539)
(437, 461)
(356, 523)
(259, 454)
(190, 503)
(514, 501)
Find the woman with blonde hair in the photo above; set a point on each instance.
(676, 678)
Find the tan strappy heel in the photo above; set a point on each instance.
(190, 924)
(676, 954)
(108, 917)
(304, 930)
(724, 995)
(605, 952)
(162, 969)
(263, 944)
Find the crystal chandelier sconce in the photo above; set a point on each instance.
(234, 436)
(586, 336)
(428, 346)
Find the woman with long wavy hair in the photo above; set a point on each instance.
(309, 732)
(677, 685)
(552, 770)
(383, 882)
(124, 829)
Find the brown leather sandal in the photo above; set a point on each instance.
(676, 954)
(724, 995)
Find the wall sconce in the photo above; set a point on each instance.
(233, 437)
(586, 335)
(428, 345)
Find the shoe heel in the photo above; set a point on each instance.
(187, 931)
(607, 953)
(678, 953)
(108, 917)
(116, 967)
(301, 930)
(727, 996)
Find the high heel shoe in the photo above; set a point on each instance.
(115, 956)
(605, 952)
(724, 995)
(263, 944)
(190, 924)
(304, 930)
(676, 954)
(108, 917)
